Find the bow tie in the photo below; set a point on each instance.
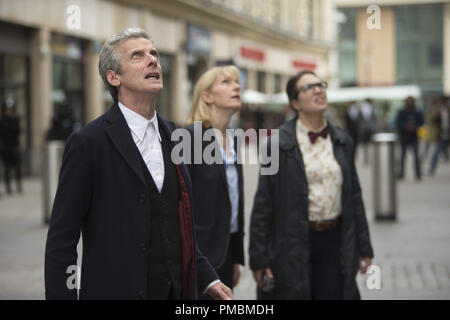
(314, 135)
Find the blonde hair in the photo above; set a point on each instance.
(200, 111)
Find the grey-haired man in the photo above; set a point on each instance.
(119, 187)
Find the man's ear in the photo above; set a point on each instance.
(113, 78)
(206, 97)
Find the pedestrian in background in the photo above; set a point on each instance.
(368, 125)
(432, 128)
(11, 154)
(308, 230)
(63, 122)
(218, 188)
(442, 120)
(408, 121)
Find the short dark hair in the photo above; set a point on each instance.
(291, 86)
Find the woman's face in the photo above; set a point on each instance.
(225, 93)
(310, 99)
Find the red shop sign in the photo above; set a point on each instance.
(252, 54)
(304, 65)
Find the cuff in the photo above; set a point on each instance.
(210, 285)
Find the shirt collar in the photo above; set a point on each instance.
(303, 129)
(231, 159)
(137, 123)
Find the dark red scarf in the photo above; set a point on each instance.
(187, 240)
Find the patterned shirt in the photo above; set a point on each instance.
(323, 174)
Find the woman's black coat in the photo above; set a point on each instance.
(279, 229)
(212, 213)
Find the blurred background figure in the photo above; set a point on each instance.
(441, 120)
(408, 120)
(63, 122)
(368, 125)
(11, 157)
(352, 119)
(432, 129)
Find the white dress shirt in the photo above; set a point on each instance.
(323, 174)
(231, 171)
(146, 136)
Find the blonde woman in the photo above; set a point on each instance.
(218, 187)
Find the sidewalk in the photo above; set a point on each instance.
(412, 252)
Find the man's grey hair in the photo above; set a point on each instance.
(110, 58)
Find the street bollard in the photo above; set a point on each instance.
(385, 190)
(53, 152)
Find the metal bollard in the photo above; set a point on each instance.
(53, 152)
(385, 190)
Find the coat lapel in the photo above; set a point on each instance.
(288, 141)
(168, 127)
(120, 135)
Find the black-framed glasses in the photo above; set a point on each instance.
(308, 87)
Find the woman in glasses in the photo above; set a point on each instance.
(218, 186)
(308, 232)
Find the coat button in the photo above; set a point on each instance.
(163, 203)
(169, 283)
(141, 198)
(142, 294)
(143, 247)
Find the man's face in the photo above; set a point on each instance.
(140, 70)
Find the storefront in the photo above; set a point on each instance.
(198, 53)
(14, 80)
(68, 63)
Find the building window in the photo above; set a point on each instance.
(14, 86)
(347, 48)
(277, 83)
(68, 56)
(164, 102)
(420, 46)
(308, 25)
(276, 12)
(261, 81)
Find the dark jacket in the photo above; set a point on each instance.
(279, 229)
(9, 140)
(10, 132)
(213, 209)
(102, 192)
(408, 122)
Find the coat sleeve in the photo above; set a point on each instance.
(260, 223)
(206, 272)
(70, 206)
(362, 228)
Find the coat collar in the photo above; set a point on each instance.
(120, 135)
(288, 137)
